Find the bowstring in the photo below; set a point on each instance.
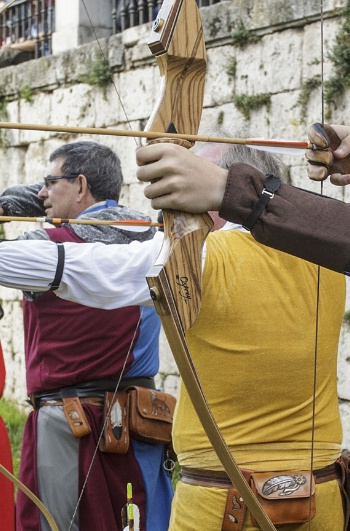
(142, 308)
(318, 283)
(105, 422)
(105, 59)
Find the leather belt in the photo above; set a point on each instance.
(215, 478)
(93, 400)
(87, 390)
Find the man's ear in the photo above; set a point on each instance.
(83, 188)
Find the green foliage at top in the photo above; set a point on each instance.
(340, 58)
(241, 37)
(14, 420)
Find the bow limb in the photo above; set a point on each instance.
(31, 495)
(175, 279)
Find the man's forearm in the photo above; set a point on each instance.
(295, 221)
(97, 275)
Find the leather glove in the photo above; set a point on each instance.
(321, 161)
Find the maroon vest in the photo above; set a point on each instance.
(67, 343)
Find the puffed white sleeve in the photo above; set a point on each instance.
(94, 274)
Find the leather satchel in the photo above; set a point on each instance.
(151, 414)
(343, 465)
(285, 497)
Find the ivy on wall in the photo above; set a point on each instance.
(304, 97)
(98, 73)
(241, 37)
(246, 104)
(335, 86)
(339, 56)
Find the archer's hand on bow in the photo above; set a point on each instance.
(331, 153)
(180, 180)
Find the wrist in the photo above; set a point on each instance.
(218, 191)
(243, 188)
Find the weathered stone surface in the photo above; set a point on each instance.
(279, 64)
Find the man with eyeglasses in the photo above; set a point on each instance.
(77, 353)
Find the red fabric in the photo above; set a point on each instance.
(7, 501)
(94, 341)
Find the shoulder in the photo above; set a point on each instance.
(63, 234)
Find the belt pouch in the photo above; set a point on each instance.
(285, 497)
(151, 414)
(75, 414)
(343, 465)
(115, 438)
(235, 510)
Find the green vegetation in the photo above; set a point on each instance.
(339, 56)
(231, 67)
(220, 118)
(241, 37)
(245, 104)
(346, 318)
(99, 73)
(3, 106)
(175, 475)
(27, 93)
(310, 84)
(14, 420)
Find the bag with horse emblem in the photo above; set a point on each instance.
(151, 415)
(138, 413)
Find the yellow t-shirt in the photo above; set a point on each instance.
(253, 346)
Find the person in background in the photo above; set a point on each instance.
(257, 371)
(75, 351)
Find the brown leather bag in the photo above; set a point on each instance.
(138, 413)
(115, 438)
(151, 414)
(343, 464)
(285, 497)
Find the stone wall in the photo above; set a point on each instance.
(276, 63)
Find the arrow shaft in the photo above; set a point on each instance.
(155, 135)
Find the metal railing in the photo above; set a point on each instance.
(27, 25)
(130, 13)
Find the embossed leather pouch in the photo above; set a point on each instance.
(151, 414)
(343, 465)
(75, 416)
(116, 438)
(285, 496)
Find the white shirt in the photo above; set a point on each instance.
(95, 274)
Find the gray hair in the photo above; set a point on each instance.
(263, 161)
(97, 162)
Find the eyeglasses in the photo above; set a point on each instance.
(50, 179)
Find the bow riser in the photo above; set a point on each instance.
(185, 265)
(181, 60)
